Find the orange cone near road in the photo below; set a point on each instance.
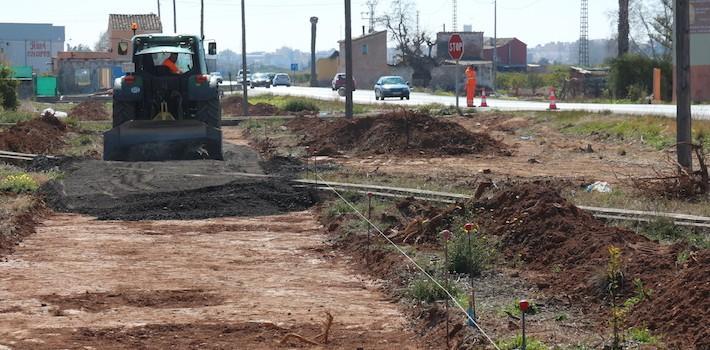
(553, 100)
(484, 103)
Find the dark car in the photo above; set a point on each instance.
(281, 79)
(339, 81)
(260, 80)
(391, 86)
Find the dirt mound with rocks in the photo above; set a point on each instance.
(90, 110)
(234, 105)
(43, 135)
(400, 132)
(536, 224)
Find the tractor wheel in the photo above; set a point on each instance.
(210, 112)
(123, 112)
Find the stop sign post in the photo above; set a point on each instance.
(456, 52)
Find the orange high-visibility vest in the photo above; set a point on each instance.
(171, 65)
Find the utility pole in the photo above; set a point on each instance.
(348, 62)
(495, 43)
(683, 99)
(202, 19)
(158, 8)
(314, 78)
(454, 16)
(174, 18)
(245, 102)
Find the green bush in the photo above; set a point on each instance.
(534, 82)
(300, 105)
(642, 335)
(633, 72)
(19, 183)
(517, 342)
(424, 289)
(8, 90)
(465, 258)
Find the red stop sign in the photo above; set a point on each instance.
(455, 47)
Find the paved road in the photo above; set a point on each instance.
(367, 96)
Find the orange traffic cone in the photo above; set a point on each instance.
(553, 100)
(484, 103)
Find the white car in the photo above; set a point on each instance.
(281, 79)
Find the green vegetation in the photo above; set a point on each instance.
(301, 105)
(293, 102)
(517, 342)
(513, 308)
(19, 183)
(465, 257)
(631, 77)
(642, 335)
(14, 116)
(8, 89)
(424, 289)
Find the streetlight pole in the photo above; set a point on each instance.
(495, 43)
(348, 62)
(683, 97)
(174, 18)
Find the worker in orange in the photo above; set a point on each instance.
(470, 85)
(170, 63)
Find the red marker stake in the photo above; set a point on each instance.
(524, 305)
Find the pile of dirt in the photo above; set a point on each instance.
(234, 105)
(90, 110)
(401, 132)
(536, 224)
(413, 221)
(247, 197)
(43, 135)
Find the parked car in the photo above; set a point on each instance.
(391, 86)
(218, 75)
(260, 80)
(271, 76)
(339, 81)
(281, 79)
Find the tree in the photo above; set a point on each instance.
(624, 28)
(516, 81)
(535, 81)
(80, 47)
(104, 43)
(409, 43)
(8, 89)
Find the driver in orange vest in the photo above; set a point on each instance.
(170, 63)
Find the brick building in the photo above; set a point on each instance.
(512, 53)
(119, 29)
(369, 58)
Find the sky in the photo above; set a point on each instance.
(272, 24)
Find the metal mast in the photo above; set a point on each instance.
(370, 15)
(584, 34)
(454, 17)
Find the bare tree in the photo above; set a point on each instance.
(103, 44)
(408, 41)
(624, 28)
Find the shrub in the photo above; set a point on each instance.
(636, 71)
(18, 184)
(300, 105)
(517, 343)
(468, 259)
(642, 335)
(514, 308)
(8, 89)
(424, 289)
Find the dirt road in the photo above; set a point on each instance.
(210, 284)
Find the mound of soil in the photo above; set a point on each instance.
(90, 110)
(247, 197)
(234, 105)
(538, 225)
(401, 132)
(41, 135)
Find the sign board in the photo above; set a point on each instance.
(455, 47)
(294, 67)
(700, 16)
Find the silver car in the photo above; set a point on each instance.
(281, 79)
(391, 86)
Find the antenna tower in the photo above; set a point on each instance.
(369, 15)
(584, 35)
